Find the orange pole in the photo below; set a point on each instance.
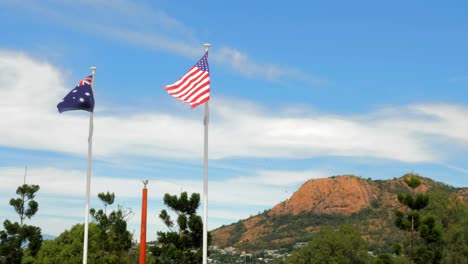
(143, 227)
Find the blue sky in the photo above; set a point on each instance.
(299, 90)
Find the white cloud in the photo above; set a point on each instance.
(32, 88)
(243, 64)
(448, 120)
(280, 178)
(146, 26)
(55, 182)
(267, 133)
(456, 168)
(62, 195)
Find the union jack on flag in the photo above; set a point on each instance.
(86, 80)
(194, 87)
(80, 98)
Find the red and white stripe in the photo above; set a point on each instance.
(193, 88)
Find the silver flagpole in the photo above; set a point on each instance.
(88, 176)
(205, 181)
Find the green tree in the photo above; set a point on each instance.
(68, 248)
(429, 249)
(27, 195)
(342, 245)
(182, 244)
(107, 199)
(456, 233)
(112, 230)
(384, 259)
(16, 234)
(109, 242)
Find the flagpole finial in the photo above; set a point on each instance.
(93, 69)
(207, 46)
(145, 182)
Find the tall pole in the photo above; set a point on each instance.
(143, 224)
(25, 172)
(88, 176)
(205, 179)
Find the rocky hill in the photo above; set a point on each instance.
(367, 204)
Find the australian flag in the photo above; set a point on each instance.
(80, 98)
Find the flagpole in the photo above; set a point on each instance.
(88, 176)
(205, 179)
(144, 205)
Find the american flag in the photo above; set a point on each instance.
(194, 87)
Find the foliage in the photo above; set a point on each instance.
(410, 221)
(384, 259)
(113, 227)
(107, 199)
(182, 244)
(442, 235)
(16, 235)
(236, 232)
(10, 242)
(27, 194)
(342, 245)
(412, 180)
(68, 248)
(456, 233)
(283, 231)
(108, 239)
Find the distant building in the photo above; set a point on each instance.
(299, 245)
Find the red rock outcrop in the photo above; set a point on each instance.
(344, 195)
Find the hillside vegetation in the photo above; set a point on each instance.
(368, 205)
